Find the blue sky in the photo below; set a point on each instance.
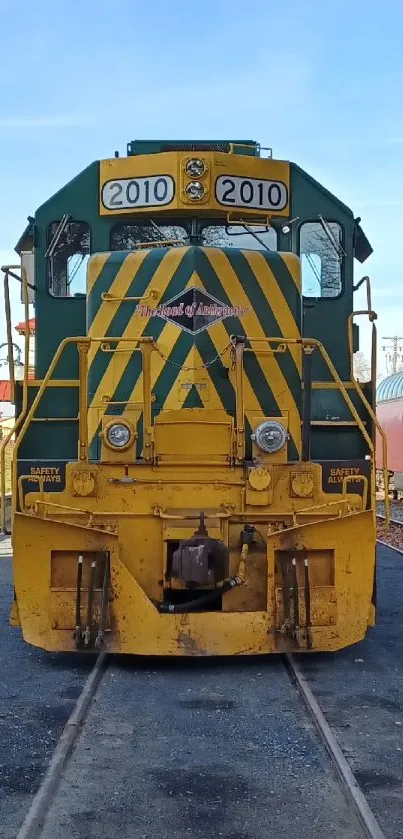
(319, 82)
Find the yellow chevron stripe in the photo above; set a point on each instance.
(271, 370)
(293, 264)
(195, 282)
(108, 309)
(219, 337)
(134, 329)
(278, 303)
(95, 266)
(166, 342)
(193, 359)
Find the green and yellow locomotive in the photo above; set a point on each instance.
(193, 466)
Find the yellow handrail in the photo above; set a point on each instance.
(372, 316)
(237, 360)
(107, 297)
(363, 478)
(83, 344)
(21, 479)
(8, 269)
(315, 343)
(10, 348)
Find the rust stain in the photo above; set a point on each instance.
(189, 645)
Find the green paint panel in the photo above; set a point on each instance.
(193, 399)
(51, 439)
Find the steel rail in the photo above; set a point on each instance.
(352, 790)
(33, 823)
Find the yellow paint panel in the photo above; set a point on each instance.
(172, 165)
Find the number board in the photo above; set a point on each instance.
(157, 183)
(254, 193)
(132, 193)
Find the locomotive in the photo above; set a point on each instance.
(194, 461)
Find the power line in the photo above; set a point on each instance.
(393, 352)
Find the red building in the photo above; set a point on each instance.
(21, 328)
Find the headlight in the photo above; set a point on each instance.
(270, 436)
(195, 191)
(118, 435)
(195, 167)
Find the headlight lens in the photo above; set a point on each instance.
(118, 435)
(270, 436)
(195, 191)
(195, 167)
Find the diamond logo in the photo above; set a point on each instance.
(193, 310)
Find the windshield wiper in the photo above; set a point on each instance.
(255, 236)
(163, 237)
(162, 240)
(333, 241)
(56, 236)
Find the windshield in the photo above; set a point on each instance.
(129, 236)
(239, 236)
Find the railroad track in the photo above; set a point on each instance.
(235, 747)
(392, 536)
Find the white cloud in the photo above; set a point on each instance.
(49, 121)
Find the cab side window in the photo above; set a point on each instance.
(321, 256)
(68, 251)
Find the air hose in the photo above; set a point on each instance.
(194, 605)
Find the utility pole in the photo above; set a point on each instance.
(393, 352)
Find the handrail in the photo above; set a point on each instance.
(8, 269)
(350, 479)
(107, 297)
(372, 316)
(367, 282)
(83, 344)
(237, 361)
(313, 342)
(10, 348)
(41, 481)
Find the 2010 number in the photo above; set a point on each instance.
(251, 192)
(138, 192)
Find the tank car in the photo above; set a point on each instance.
(389, 398)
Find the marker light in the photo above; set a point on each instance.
(195, 167)
(118, 435)
(195, 191)
(270, 436)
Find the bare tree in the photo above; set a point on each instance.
(362, 367)
(321, 257)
